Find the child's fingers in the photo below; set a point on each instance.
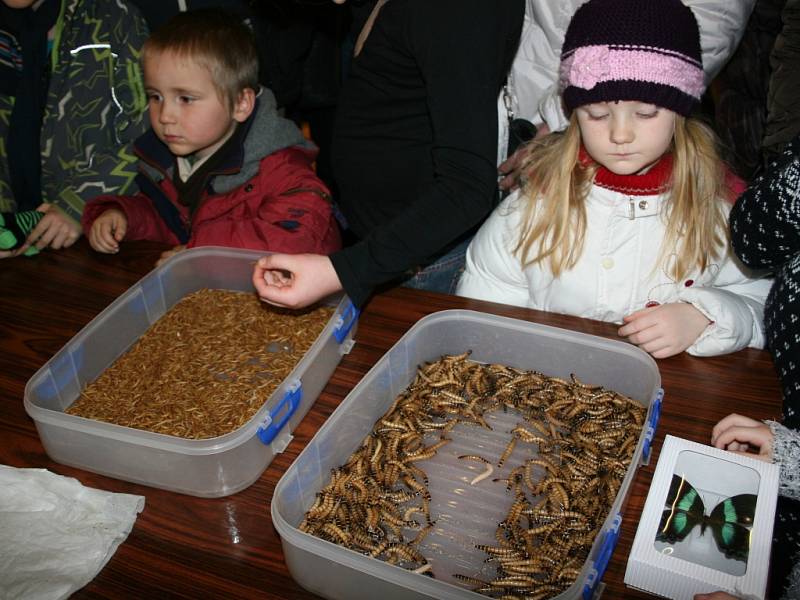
(737, 447)
(665, 351)
(715, 596)
(750, 436)
(102, 246)
(101, 239)
(120, 229)
(105, 237)
(636, 322)
(732, 420)
(110, 244)
(65, 235)
(37, 232)
(45, 236)
(643, 331)
(638, 314)
(46, 229)
(760, 456)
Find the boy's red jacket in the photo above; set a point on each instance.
(263, 198)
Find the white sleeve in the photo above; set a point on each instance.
(722, 24)
(535, 69)
(492, 271)
(735, 305)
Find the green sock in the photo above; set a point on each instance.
(15, 228)
(7, 239)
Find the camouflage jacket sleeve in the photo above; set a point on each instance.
(96, 103)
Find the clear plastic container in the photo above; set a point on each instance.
(465, 515)
(211, 467)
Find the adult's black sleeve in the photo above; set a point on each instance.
(463, 49)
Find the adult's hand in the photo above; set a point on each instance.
(295, 280)
(511, 168)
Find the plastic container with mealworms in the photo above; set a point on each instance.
(464, 507)
(210, 467)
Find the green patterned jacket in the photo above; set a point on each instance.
(95, 105)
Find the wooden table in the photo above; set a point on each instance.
(182, 546)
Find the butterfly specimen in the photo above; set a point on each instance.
(729, 520)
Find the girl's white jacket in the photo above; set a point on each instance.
(617, 273)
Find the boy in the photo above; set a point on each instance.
(219, 166)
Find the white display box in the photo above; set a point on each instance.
(706, 525)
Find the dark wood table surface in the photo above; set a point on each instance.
(182, 546)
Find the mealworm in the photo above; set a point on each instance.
(424, 568)
(488, 470)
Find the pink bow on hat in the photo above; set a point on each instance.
(589, 66)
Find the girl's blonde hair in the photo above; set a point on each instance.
(557, 184)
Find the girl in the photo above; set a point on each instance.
(622, 217)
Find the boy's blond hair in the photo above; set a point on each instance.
(557, 185)
(215, 40)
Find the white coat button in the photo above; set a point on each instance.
(607, 262)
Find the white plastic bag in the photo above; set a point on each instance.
(56, 534)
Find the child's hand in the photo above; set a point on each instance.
(738, 434)
(56, 230)
(108, 230)
(169, 253)
(664, 330)
(295, 280)
(13, 253)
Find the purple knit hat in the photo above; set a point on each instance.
(645, 50)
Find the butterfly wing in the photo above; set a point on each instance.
(684, 509)
(729, 522)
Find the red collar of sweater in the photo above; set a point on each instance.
(656, 181)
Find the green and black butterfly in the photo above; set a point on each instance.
(729, 521)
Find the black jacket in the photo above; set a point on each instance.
(415, 143)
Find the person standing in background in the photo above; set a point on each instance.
(72, 100)
(415, 149)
